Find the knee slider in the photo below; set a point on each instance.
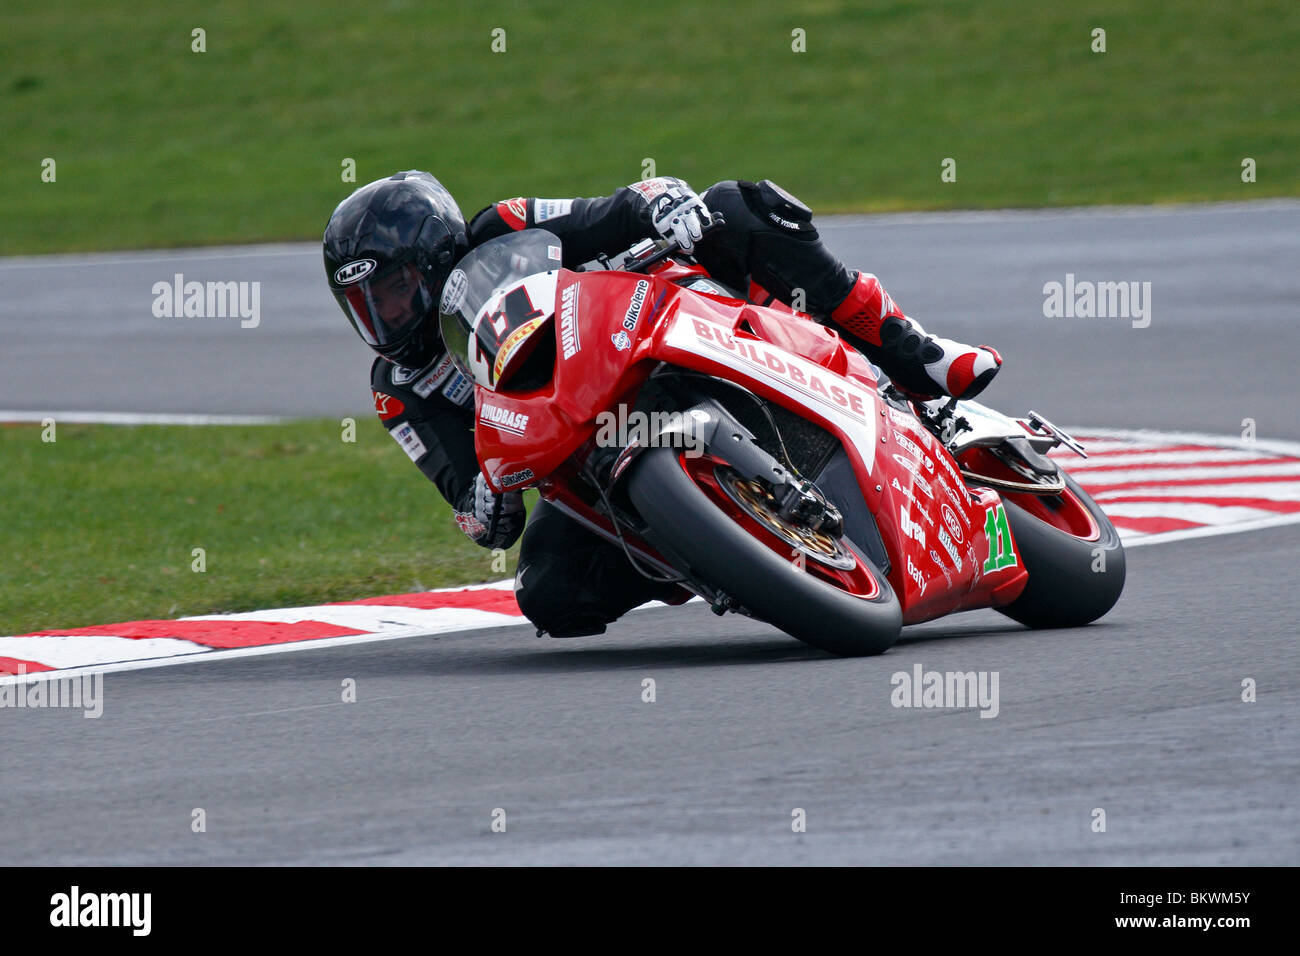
(550, 597)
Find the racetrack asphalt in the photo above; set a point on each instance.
(1139, 715)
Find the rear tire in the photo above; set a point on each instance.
(1063, 589)
(705, 542)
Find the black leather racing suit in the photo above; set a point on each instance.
(570, 581)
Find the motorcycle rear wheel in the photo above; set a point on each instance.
(1072, 580)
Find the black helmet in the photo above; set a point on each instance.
(389, 248)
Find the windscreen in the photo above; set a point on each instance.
(486, 306)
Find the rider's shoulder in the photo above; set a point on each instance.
(394, 379)
(380, 373)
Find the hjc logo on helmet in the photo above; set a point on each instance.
(354, 271)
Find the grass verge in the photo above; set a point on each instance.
(158, 145)
(100, 525)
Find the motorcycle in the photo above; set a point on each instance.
(748, 455)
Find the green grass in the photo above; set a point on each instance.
(156, 145)
(100, 525)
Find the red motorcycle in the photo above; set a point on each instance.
(750, 456)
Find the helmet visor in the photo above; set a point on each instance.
(387, 308)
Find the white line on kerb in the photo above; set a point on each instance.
(1276, 446)
(397, 633)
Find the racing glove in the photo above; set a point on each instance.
(676, 211)
(491, 520)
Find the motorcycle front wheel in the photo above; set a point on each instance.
(724, 530)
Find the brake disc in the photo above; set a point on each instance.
(756, 501)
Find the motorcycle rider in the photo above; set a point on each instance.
(390, 246)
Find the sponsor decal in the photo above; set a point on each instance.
(957, 482)
(512, 342)
(810, 382)
(651, 188)
(553, 252)
(946, 541)
(921, 508)
(460, 389)
(503, 419)
(453, 291)
(514, 212)
(952, 496)
(910, 528)
(704, 285)
(621, 341)
(898, 417)
(467, 522)
(904, 420)
(953, 524)
(544, 209)
(354, 271)
(916, 575)
(915, 468)
(938, 561)
(654, 309)
(404, 434)
(437, 375)
(387, 406)
(570, 343)
(913, 449)
(634, 307)
(785, 223)
(516, 478)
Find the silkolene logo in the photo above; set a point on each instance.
(354, 271)
(634, 307)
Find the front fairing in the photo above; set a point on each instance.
(601, 325)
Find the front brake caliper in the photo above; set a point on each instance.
(804, 503)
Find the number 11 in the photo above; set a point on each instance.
(1001, 554)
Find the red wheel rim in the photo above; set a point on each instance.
(859, 580)
(1063, 511)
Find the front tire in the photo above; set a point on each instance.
(706, 542)
(1064, 590)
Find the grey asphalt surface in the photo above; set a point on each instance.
(78, 333)
(1139, 714)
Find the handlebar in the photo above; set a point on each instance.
(671, 245)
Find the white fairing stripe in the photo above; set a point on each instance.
(861, 430)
